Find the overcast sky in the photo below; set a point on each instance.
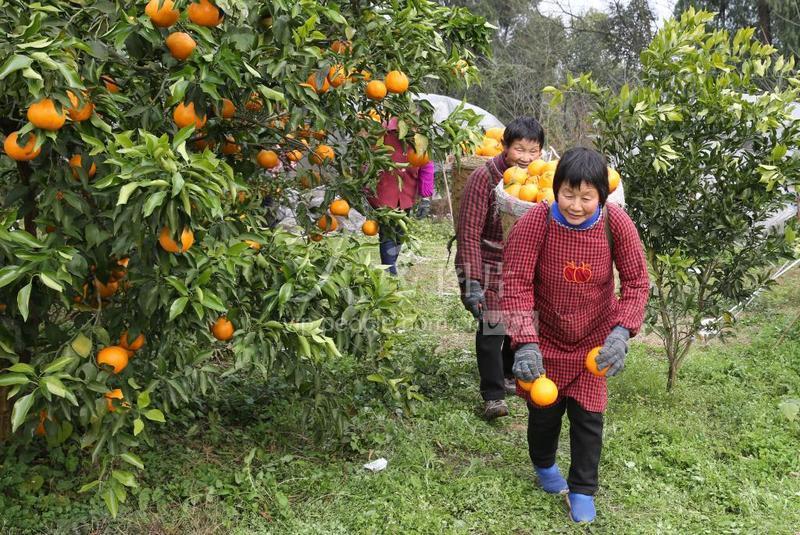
(661, 8)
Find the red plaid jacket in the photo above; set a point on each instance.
(568, 282)
(479, 231)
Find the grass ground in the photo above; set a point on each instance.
(716, 455)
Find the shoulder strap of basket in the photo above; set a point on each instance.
(547, 219)
(609, 234)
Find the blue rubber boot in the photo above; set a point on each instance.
(551, 479)
(581, 507)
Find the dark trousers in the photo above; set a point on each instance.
(495, 359)
(389, 246)
(585, 440)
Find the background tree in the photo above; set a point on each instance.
(705, 154)
(147, 147)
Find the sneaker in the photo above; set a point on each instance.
(551, 480)
(581, 507)
(495, 408)
(510, 385)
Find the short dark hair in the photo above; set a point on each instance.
(523, 128)
(580, 164)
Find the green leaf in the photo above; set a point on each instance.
(143, 400)
(13, 379)
(155, 415)
(132, 459)
(24, 238)
(124, 477)
(58, 364)
(21, 367)
(20, 411)
(110, 497)
(13, 64)
(54, 386)
(177, 307)
(9, 274)
(153, 201)
(23, 298)
(82, 345)
(50, 282)
(89, 486)
(138, 426)
(210, 300)
(126, 191)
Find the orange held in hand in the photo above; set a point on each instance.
(543, 392)
(591, 362)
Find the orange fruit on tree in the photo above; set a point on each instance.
(110, 84)
(204, 143)
(546, 194)
(613, 180)
(340, 47)
(327, 223)
(536, 167)
(322, 153)
(515, 175)
(543, 392)
(181, 45)
(114, 356)
(75, 111)
(136, 345)
(312, 83)
(228, 109)
(254, 102)
(528, 192)
(376, 90)
(40, 430)
(76, 162)
(396, 82)
(43, 115)
(169, 245)
(294, 155)
(222, 329)
(106, 290)
(162, 13)
(230, 146)
(370, 227)
(204, 13)
(110, 395)
(21, 153)
(315, 237)
(340, 207)
(417, 160)
(267, 159)
(336, 75)
(253, 244)
(184, 116)
(591, 362)
(495, 133)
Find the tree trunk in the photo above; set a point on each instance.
(764, 27)
(672, 376)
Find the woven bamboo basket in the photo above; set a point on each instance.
(461, 172)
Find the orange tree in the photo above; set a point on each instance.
(148, 148)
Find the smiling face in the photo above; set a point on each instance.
(578, 204)
(521, 152)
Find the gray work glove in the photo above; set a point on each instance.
(528, 362)
(612, 355)
(473, 298)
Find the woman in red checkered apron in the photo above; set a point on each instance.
(557, 264)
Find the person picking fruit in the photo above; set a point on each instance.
(479, 237)
(558, 264)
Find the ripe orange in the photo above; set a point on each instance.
(113, 394)
(495, 133)
(267, 159)
(340, 207)
(514, 175)
(327, 223)
(21, 153)
(106, 290)
(76, 162)
(184, 115)
(110, 84)
(322, 153)
(546, 179)
(164, 16)
(525, 385)
(136, 345)
(228, 109)
(253, 244)
(536, 167)
(222, 329)
(528, 192)
(204, 13)
(169, 245)
(254, 102)
(550, 166)
(370, 227)
(77, 113)
(546, 194)
(340, 47)
(396, 82)
(513, 190)
(543, 392)
(417, 160)
(613, 179)
(315, 237)
(43, 115)
(181, 45)
(591, 362)
(40, 430)
(204, 143)
(336, 75)
(230, 146)
(312, 82)
(376, 90)
(294, 155)
(114, 356)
